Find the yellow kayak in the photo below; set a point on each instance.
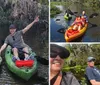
(71, 35)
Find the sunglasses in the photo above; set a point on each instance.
(91, 61)
(13, 38)
(54, 55)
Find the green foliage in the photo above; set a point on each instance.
(58, 3)
(12, 11)
(54, 11)
(79, 72)
(44, 2)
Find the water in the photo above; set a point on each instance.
(92, 33)
(34, 39)
(56, 36)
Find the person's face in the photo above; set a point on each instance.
(56, 64)
(82, 17)
(12, 31)
(91, 64)
(79, 18)
(83, 12)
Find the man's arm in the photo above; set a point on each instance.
(3, 47)
(94, 82)
(30, 25)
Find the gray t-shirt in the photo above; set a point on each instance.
(16, 40)
(93, 73)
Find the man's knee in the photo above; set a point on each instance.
(15, 50)
(25, 49)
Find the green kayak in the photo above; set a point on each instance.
(23, 72)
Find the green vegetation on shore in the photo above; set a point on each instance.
(77, 62)
(54, 11)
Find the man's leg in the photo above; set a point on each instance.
(79, 28)
(75, 27)
(15, 53)
(25, 54)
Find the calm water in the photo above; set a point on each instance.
(92, 33)
(56, 36)
(34, 39)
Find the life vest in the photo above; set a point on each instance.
(78, 19)
(67, 16)
(83, 19)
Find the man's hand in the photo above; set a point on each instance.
(36, 19)
(30, 25)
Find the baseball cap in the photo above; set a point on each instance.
(12, 26)
(89, 59)
(58, 50)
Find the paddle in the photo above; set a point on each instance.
(93, 15)
(39, 58)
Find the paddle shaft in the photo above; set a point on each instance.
(39, 59)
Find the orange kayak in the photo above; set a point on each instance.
(71, 35)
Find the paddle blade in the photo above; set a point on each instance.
(93, 15)
(94, 25)
(42, 60)
(70, 12)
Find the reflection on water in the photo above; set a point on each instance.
(92, 33)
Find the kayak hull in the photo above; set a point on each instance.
(23, 72)
(76, 35)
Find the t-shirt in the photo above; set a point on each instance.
(16, 40)
(67, 79)
(85, 17)
(93, 73)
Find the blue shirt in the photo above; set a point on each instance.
(93, 73)
(85, 17)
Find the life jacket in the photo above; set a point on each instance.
(67, 16)
(78, 19)
(83, 19)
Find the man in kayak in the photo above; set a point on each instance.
(92, 73)
(84, 14)
(67, 17)
(15, 40)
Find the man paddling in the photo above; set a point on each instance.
(68, 17)
(84, 15)
(15, 40)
